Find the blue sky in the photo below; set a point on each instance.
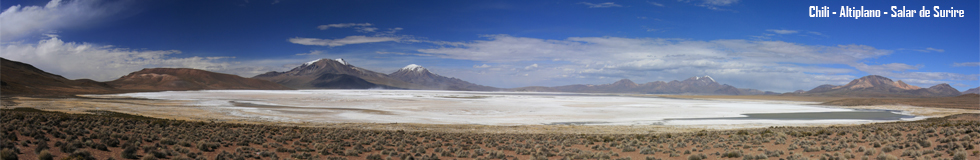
(767, 45)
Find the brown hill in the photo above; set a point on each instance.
(173, 79)
(878, 86)
(419, 75)
(20, 79)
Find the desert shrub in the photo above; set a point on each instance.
(304, 155)
(81, 155)
(168, 141)
(959, 155)
(647, 150)
(130, 153)
(924, 142)
(8, 154)
(731, 154)
(186, 144)
(630, 149)
(45, 155)
(869, 152)
(158, 154)
(101, 147)
(697, 156)
(887, 149)
(886, 157)
(374, 157)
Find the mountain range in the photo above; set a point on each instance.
(23, 79)
(338, 74)
(175, 79)
(878, 86)
(704, 85)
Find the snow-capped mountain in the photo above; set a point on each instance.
(333, 73)
(704, 85)
(417, 74)
(339, 74)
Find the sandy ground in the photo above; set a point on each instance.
(180, 110)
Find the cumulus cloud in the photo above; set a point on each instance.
(340, 42)
(100, 62)
(22, 21)
(601, 5)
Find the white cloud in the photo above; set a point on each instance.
(531, 66)
(885, 67)
(481, 66)
(340, 42)
(311, 53)
(930, 49)
(925, 83)
(343, 25)
(366, 29)
(656, 4)
(601, 5)
(782, 31)
(100, 62)
(720, 2)
(966, 64)
(713, 4)
(22, 21)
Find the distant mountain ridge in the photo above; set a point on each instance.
(972, 90)
(175, 79)
(417, 74)
(704, 85)
(24, 79)
(879, 86)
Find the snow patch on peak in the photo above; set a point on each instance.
(709, 78)
(311, 62)
(413, 67)
(341, 60)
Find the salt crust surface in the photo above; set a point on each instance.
(485, 108)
